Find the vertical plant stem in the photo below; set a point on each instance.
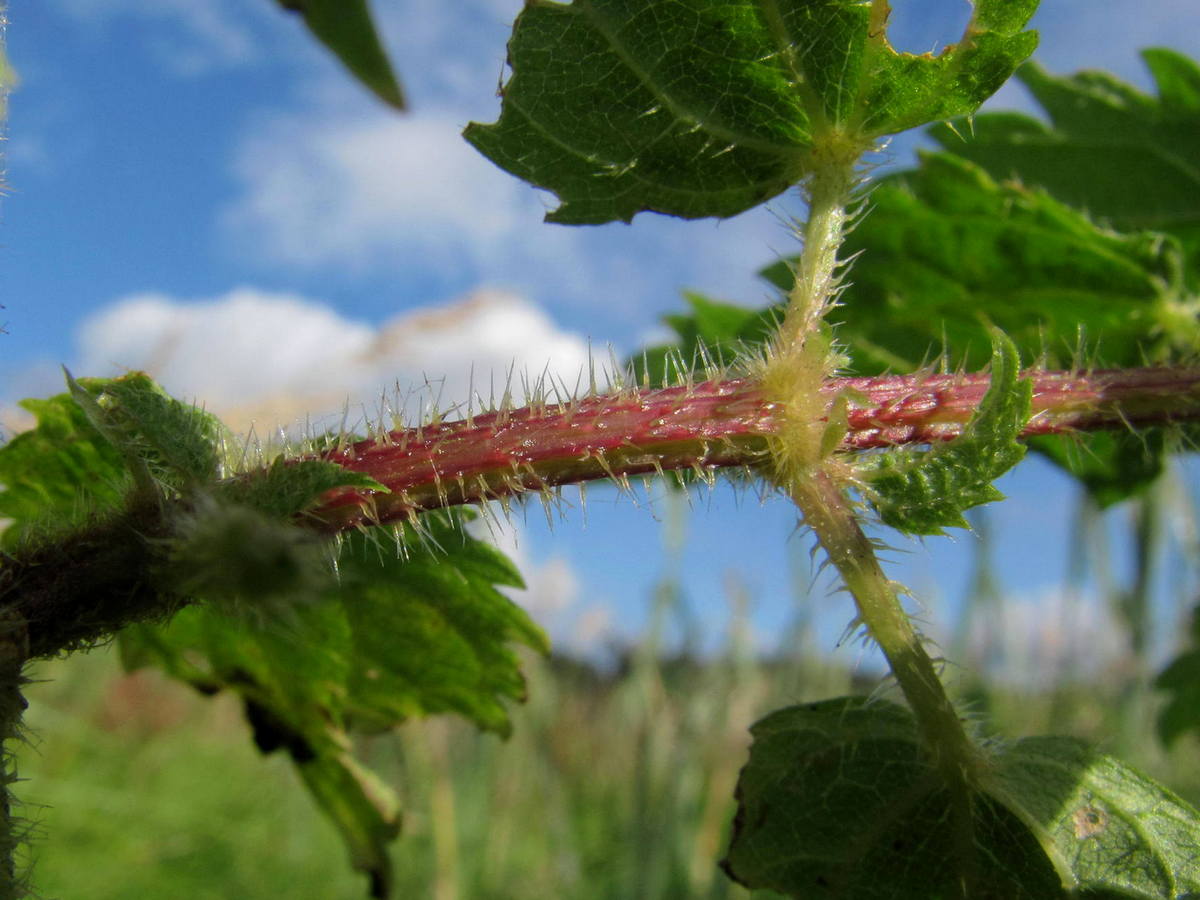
(829, 190)
(828, 512)
(14, 651)
(807, 469)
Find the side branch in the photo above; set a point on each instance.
(86, 586)
(710, 425)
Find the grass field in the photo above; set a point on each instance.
(612, 786)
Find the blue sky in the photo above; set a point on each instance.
(197, 189)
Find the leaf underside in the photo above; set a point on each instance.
(1131, 160)
(926, 492)
(697, 109)
(839, 800)
(345, 27)
(944, 253)
(401, 636)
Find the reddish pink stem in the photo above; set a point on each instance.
(711, 425)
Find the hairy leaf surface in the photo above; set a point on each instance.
(176, 444)
(285, 489)
(58, 471)
(1128, 158)
(924, 493)
(400, 636)
(839, 800)
(701, 109)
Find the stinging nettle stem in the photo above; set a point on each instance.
(55, 590)
(711, 425)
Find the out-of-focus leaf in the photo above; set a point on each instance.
(425, 631)
(58, 471)
(926, 492)
(1181, 682)
(713, 331)
(1127, 158)
(365, 811)
(346, 28)
(840, 799)
(696, 109)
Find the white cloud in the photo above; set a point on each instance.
(407, 197)
(191, 37)
(276, 358)
(375, 189)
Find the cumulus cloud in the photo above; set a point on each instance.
(253, 355)
(276, 358)
(356, 191)
(191, 37)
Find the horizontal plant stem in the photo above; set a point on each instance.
(710, 425)
(82, 589)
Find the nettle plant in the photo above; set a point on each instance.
(335, 591)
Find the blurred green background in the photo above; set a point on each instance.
(617, 782)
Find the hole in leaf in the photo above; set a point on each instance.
(927, 26)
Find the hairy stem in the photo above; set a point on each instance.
(59, 590)
(14, 650)
(803, 464)
(711, 425)
(831, 517)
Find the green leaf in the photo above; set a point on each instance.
(923, 493)
(438, 628)
(696, 109)
(946, 251)
(403, 634)
(289, 487)
(58, 472)
(1181, 682)
(1127, 158)
(365, 811)
(717, 332)
(1111, 830)
(840, 800)
(174, 444)
(346, 28)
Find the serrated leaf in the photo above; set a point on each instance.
(923, 493)
(1127, 158)
(946, 250)
(402, 635)
(346, 28)
(176, 444)
(286, 488)
(696, 109)
(840, 800)
(58, 471)
(442, 628)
